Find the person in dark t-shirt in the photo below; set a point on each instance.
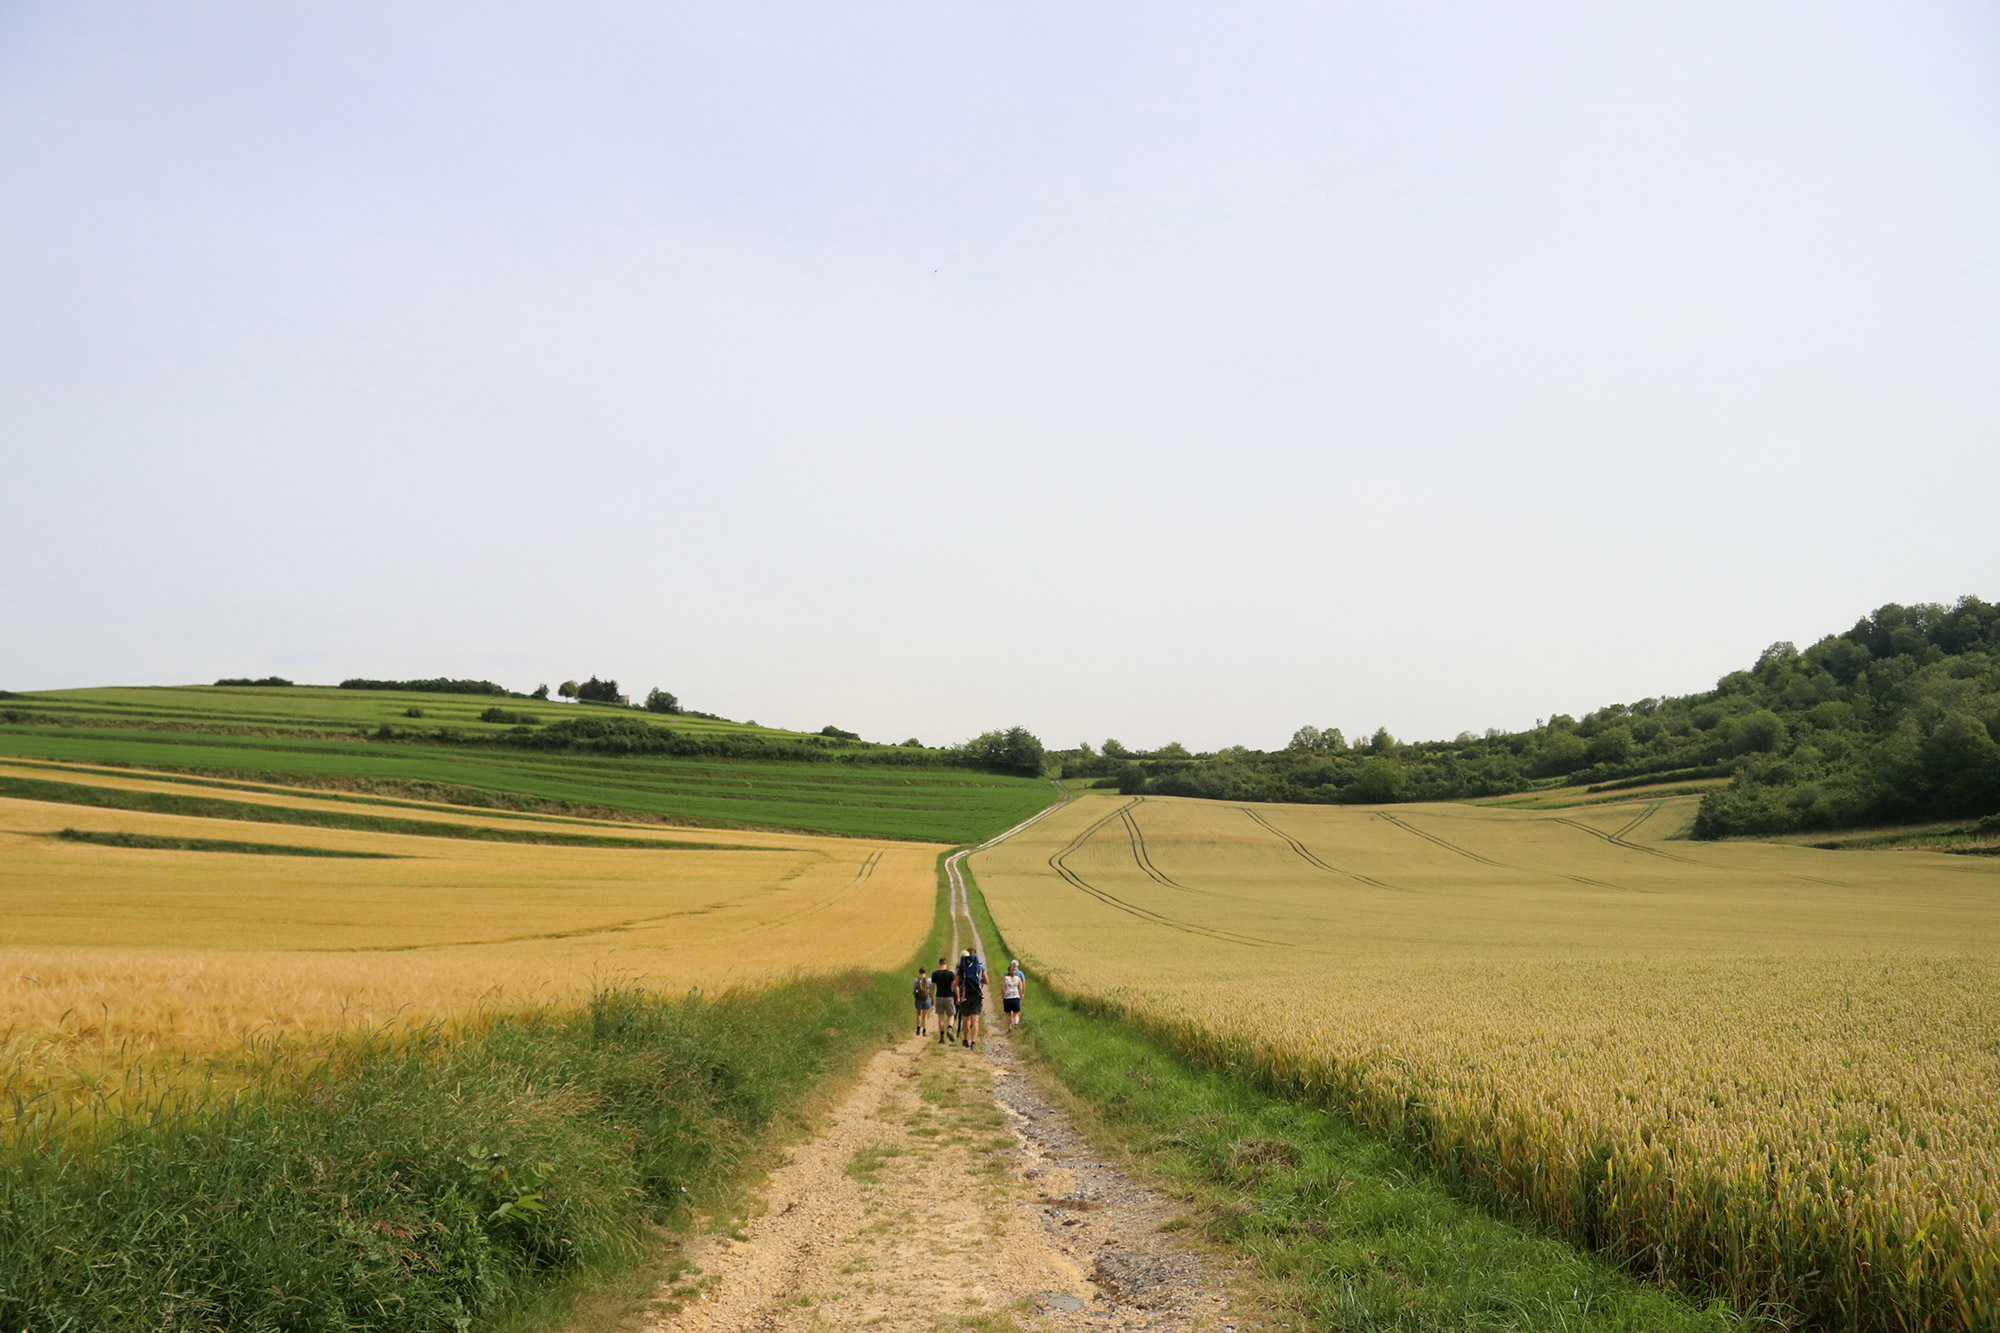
(971, 995)
(946, 982)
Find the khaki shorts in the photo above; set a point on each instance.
(947, 1006)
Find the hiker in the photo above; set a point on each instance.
(1012, 987)
(971, 996)
(921, 991)
(944, 990)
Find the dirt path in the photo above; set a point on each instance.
(947, 1193)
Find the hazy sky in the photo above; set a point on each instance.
(1157, 371)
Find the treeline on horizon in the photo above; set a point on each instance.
(1894, 720)
(611, 728)
(1013, 751)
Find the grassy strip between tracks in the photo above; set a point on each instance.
(208, 807)
(147, 842)
(529, 1172)
(1341, 1230)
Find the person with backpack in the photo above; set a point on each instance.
(922, 992)
(944, 990)
(1012, 987)
(971, 997)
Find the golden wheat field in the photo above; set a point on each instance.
(110, 954)
(1764, 1070)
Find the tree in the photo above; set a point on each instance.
(1613, 745)
(597, 691)
(1961, 763)
(540, 692)
(659, 701)
(567, 689)
(1015, 750)
(835, 733)
(1113, 749)
(1381, 779)
(1560, 752)
(1758, 733)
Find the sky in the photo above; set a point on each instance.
(1162, 371)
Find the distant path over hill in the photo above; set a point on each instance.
(963, 926)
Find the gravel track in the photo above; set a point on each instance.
(945, 1193)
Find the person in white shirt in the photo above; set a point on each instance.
(1012, 987)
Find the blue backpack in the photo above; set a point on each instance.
(968, 969)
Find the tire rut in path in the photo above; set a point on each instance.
(946, 1188)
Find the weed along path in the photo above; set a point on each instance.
(947, 1192)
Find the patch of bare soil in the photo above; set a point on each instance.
(946, 1193)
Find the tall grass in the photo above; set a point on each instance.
(413, 1181)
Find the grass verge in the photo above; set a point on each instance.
(151, 843)
(414, 1182)
(1341, 1229)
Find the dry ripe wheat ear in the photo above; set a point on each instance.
(163, 956)
(1490, 1070)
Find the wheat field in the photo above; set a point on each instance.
(1767, 1071)
(111, 955)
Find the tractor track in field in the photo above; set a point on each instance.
(1058, 863)
(1307, 855)
(1142, 856)
(1618, 839)
(609, 928)
(1139, 852)
(1433, 838)
(1502, 865)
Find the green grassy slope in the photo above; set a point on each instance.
(328, 737)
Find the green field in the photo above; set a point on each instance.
(327, 737)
